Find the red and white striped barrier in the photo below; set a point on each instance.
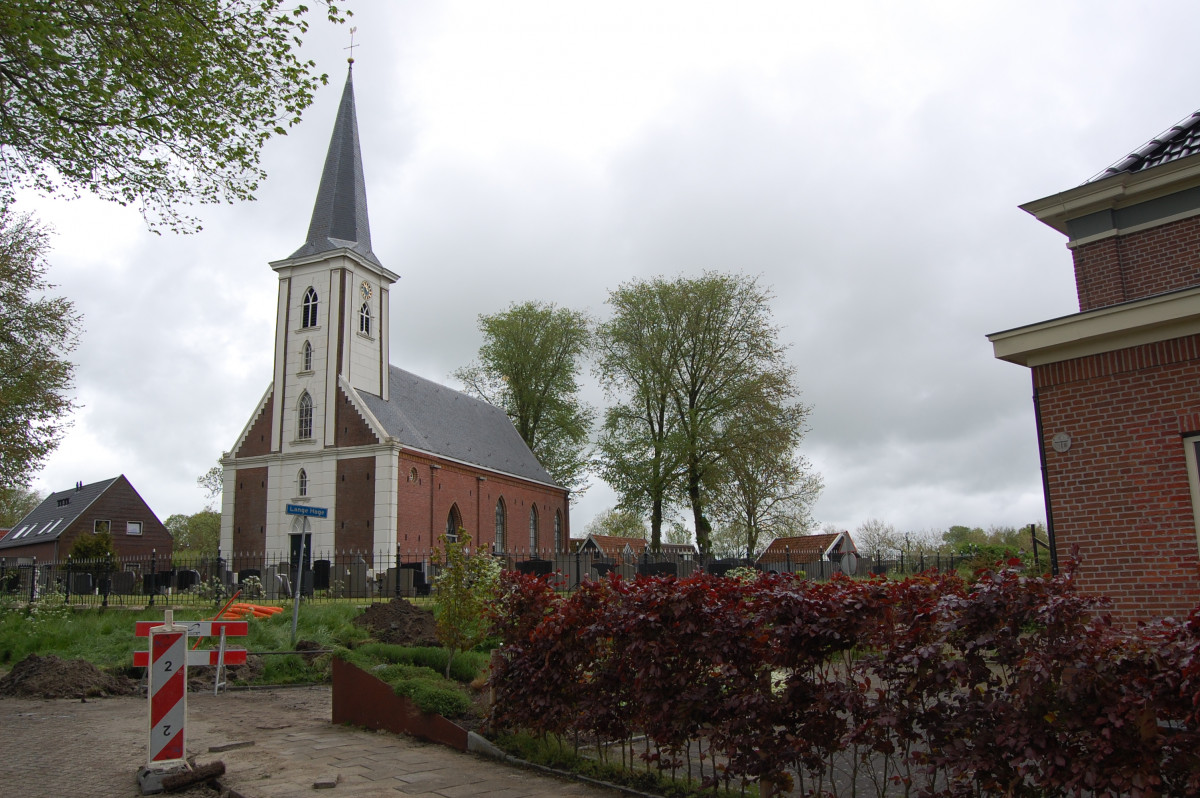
(168, 692)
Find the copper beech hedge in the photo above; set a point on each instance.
(1009, 686)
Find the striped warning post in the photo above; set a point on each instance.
(168, 693)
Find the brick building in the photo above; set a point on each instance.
(393, 460)
(112, 505)
(1116, 386)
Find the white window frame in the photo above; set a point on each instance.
(131, 526)
(306, 357)
(308, 309)
(304, 417)
(96, 526)
(302, 483)
(364, 320)
(1191, 454)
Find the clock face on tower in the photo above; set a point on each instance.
(365, 290)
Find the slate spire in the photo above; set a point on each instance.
(339, 218)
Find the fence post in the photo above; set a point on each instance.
(153, 576)
(33, 581)
(104, 586)
(67, 586)
(787, 555)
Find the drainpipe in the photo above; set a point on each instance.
(1037, 415)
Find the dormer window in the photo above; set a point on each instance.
(364, 319)
(306, 357)
(304, 417)
(310, 308)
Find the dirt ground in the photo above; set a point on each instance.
(399, 622)
(51, 677)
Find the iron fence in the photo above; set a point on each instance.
(323, 576)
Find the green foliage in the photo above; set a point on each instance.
(16, 502)
(617, 522)
(702, 384)
(529, 365)
(195, 534)
(105, 637)
(465, 585)
(152, 103)
(402, 668)
(37, 335)
(212, 482)
(94, 546)
(466, 667)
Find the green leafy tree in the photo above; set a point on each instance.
(154, 103)
(37, 334)
(762, 486)
(688, 357)
(529, 365)
(212, 482)
(16, 502)
(875, 538)
(196, 534)
(94, 546)
(466, 584)
(617, 522)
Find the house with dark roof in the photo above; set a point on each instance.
(620, 549)
(365, 456)
(793, 553)
(1116, 386)
(113, 505)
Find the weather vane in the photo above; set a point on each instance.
(350, 60)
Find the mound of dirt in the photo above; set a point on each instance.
(51, 677)
(400, 622)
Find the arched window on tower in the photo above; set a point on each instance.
(533, 531)
(306, 357)
(310, 308)
(558, 532)
(453, 524)
(501, 524)
(302, 482)
(304, 417)
(364, 319)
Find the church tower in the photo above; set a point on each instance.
(374, 461)
(332, 315)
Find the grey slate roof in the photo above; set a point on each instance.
(425, 415)
(339, 218)
(1178, 141)
(58, 511)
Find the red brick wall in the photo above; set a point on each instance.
(1138, 265)
(258, 439)
(1121, 492)
(424, 506)
(351, 428)
(355, 506)
(249, 516)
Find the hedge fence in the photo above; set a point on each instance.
(929, 686)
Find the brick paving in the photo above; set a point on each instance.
(65, 748)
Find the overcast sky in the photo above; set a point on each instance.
(864, 160)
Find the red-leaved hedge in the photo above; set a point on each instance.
(1009, 686)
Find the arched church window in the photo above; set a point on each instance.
(304, 417)
(453, 524)
(306, 357)
(302, 481)
(533, 531)
(364, 319)
(558, 535)
(501, 523)
(310, 308)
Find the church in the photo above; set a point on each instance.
(370, 459)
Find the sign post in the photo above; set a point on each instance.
(303, 512)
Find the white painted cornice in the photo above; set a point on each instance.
(1143, 321)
